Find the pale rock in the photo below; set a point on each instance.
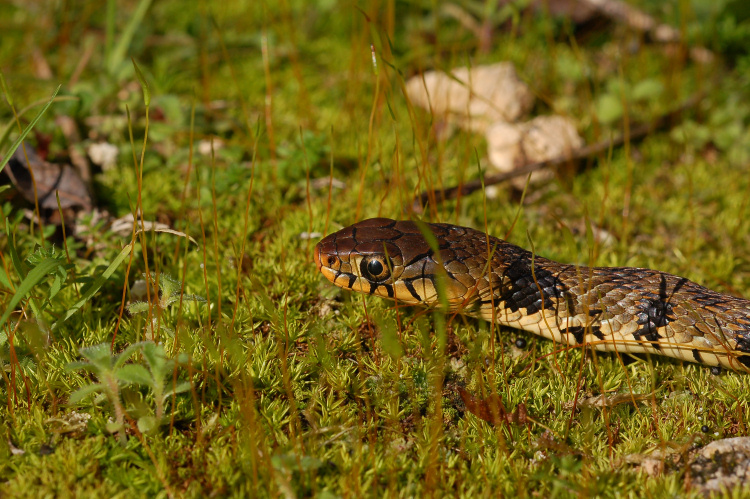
(473, 97)
(513, 145)
(721, 465)
(209, 147)
(103, 154)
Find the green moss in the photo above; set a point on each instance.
(299, 388)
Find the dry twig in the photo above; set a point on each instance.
(637, 133)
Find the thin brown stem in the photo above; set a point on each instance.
(637, 133)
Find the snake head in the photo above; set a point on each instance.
(394, 260)
(362, 257)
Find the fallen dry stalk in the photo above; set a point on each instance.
(637, 133)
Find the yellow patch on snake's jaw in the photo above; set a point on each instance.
(349, 276)
(346, 271)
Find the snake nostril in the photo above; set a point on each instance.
(331, 260)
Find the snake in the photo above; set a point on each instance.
(466, 271)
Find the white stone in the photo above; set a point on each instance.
(473, 97)
(103, 154)
(511, 146)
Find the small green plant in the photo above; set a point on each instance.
(112, 374)
(170, 292)
(160, 379)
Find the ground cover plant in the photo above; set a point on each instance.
(171, 336)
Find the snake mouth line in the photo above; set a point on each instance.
(329, 273)
(316, 257)
(355, 281)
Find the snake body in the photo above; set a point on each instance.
(623, 309)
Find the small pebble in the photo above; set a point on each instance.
(104, 155)
(705, 429)
(521, 343)
(310, 235)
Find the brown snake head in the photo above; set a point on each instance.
(394, 260)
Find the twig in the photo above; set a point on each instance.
(637, 133)
(638, 20)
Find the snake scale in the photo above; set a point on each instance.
(623, 309)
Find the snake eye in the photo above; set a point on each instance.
(375, 268)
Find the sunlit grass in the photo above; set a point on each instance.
(299, 388)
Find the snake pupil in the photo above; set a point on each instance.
(375, 268)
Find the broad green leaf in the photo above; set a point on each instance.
(84, 392)
(55, 287)
(60, 272)
(113, 426)
(75, 366)
(127, 353)
(169, 285)
(138, 307)
(134, 373)
(195, 298)
(146, 424)
(100, 356)
(157, 362)
(181, 387)
(96, 353)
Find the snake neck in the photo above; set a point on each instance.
(486, 273)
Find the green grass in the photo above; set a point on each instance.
(298, 388)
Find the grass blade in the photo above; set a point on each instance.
(96, 285)
(118, 53)
(28, 129)
(144, 84)
(44, 268)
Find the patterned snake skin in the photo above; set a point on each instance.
(622, 309)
